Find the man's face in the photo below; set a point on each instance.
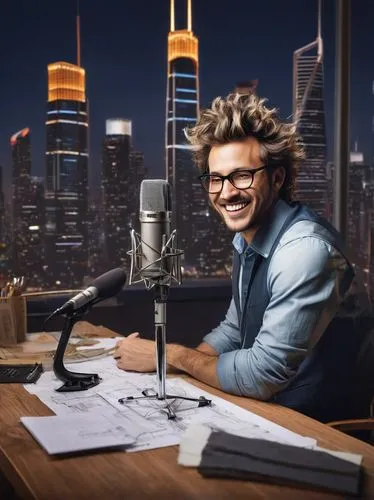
(243, 209)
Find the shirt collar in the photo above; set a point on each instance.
(267, 233)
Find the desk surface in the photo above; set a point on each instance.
(147, 474)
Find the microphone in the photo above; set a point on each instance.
(154, 257)
(103, 287)
(154, 216)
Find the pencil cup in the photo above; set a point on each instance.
(13, 320)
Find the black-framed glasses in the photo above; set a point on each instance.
(240, 179)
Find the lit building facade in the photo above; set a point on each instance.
(3, 232)
(116, 187)
(182, 109)
(27, 256)
(309, 114)
(359, 215)
(137, 174)
(35, 251)
(20, 144)
(66, 175)
(2, 203)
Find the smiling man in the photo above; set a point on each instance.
(288, 335)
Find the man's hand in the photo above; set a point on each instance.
(135, 354)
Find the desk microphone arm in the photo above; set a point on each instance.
(72, 381)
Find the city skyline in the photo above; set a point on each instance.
(128, 78)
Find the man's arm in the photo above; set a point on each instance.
(203, 348)
(206, 349)
(226, 336)
(305, 282)
(199, 364)
(134, 353)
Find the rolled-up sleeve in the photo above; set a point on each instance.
(226, 337)
(304, 280)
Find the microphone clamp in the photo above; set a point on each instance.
(169, 262)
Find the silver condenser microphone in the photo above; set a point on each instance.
(154, 257)
(154, 216)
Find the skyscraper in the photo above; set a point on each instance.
(121, 174)
(309, 114)
(182, 108)
(35, 246)
(116, 190)
(27, 213)
(20, 144)
(5, 232)
(138, 173)
(359, 215)
(67, 173)
(2, 210)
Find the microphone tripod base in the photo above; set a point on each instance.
(170, 412)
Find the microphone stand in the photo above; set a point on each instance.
(160, 286)
(161, 292)
(73, 381)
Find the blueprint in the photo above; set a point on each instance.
(146, 419)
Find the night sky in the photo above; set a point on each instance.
(124, 50)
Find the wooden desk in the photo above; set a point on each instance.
(149, 474)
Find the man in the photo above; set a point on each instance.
(287, 336)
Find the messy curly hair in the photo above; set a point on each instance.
(239, 116)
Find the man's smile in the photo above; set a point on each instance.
(236, 207)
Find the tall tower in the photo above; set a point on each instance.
(309, 114)
(2, 206)
(359, 214)
(67, 173)
(4, 233)
(182, 108)
(27, 213)
(115, 177)
(20, 144)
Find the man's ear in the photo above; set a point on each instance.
(278, 178)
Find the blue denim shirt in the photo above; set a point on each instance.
(307, 289)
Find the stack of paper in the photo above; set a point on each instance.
(79, 432)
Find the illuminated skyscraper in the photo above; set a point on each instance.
(182, 108)
(137, 174)
(359, 214)
(2, 207)
(67, 173)
(115, 190)
(27, 213)
(2, 200)
(121, 175)
(20, 144)
(309, 114)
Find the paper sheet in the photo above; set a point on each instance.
(81, 432)
(157, 430)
